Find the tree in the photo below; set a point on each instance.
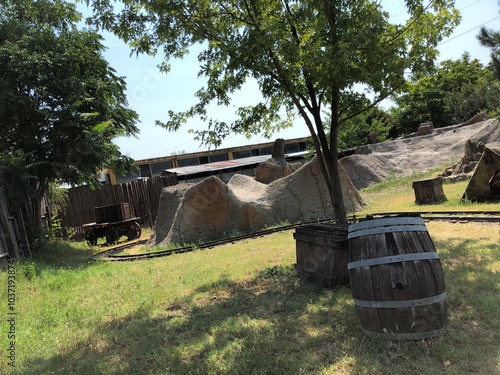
(358, 131)
(491, 39)
(456, 91)
(306, 55)
(61, 104)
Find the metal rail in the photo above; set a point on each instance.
(453, 216)
(480, 216)
(110, 256)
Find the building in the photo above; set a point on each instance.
(223, 162)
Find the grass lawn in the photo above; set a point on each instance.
(240, 309)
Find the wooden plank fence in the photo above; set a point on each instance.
(13, 239)
(144, 195)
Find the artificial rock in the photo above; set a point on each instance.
(210, 209)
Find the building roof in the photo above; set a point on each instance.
(222, 165)
(212, 168)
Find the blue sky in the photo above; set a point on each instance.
(152, 94)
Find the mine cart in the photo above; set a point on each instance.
(113, 222)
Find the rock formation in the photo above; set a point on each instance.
(211, 209)
(275, 168)
(464, 169)
(403, 156)
(425, 128)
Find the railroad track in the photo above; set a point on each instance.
(480, 216)
(454, 216)
(109, 255)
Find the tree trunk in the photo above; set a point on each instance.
(37, 214)
(328, 160)
(336, 195)
(326, 153)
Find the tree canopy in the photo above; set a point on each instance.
(455, 92)
(308, 57)
(372, 126)
(61, 104)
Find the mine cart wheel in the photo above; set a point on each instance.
(91, 238)
(134, 231)
(111, 236)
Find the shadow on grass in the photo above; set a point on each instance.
(273, 325)
(471, 281)
(55, 255)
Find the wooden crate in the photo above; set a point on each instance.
(322, 253)
(114, 213)
(429, 191)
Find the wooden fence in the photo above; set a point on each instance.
(13, 239)
(144, 195)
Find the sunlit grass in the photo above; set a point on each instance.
(397, 195)
(240, 309)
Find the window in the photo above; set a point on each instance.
(129, 176)
(218, 157)
(266, 151)
(187, 162)
(291, 148)
(145, 170)
(158, 168)
(242, 154)
(203, 159)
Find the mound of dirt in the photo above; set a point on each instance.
(404, 156)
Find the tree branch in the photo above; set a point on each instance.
(410, 25)
(371, 105)
(329, 17)
(228, 12)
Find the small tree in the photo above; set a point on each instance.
(61, 104)
(306, 55)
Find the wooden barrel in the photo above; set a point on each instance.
(397, 281)
(429, 191)
(322, 253)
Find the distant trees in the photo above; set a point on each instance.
(457, 90)
(61, 104)
(371, 126)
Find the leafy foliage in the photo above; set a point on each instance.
(17, 176)
(306, 57)
(455, 92)
(369, 127)
(57, 196)
(61, 104)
